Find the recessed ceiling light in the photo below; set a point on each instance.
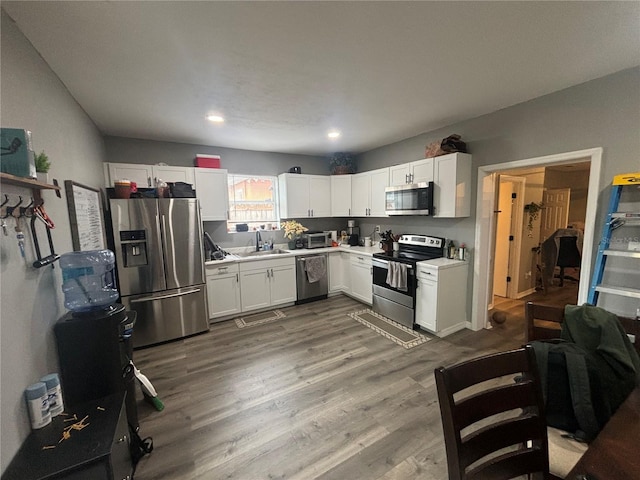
(215, 118)
(333, 134)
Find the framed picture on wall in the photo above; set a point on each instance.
(85, 216)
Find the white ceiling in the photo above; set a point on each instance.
(284, 73)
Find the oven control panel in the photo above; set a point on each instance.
(423, 240)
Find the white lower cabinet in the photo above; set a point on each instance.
(441, 297)
(223, 290)
(267, 283)
(361, 278)
(339, 272)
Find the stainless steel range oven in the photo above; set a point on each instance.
(394, 276)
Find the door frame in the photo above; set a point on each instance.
(485, 205)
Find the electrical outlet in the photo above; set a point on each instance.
(377, 229)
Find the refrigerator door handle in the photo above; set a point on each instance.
(161, 297)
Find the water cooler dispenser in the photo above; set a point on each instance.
(94, 339)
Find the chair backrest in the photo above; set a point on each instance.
(568, 253)
(544, 322)
(494, 404)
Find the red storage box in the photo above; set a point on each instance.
(207, 161)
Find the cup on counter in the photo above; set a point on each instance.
(367, 241)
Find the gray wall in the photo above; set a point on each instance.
(601, 113)
(31, 299)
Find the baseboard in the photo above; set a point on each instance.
(525, 293)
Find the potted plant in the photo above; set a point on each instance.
(533, 209)
(341, 163)
(292, 231)
(42, 167)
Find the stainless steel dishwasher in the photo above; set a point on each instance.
(312, 277)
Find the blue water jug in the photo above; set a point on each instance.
(88, 280)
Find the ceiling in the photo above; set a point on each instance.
(283, 74)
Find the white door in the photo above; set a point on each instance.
(336, 278)
(360, 191)
(555, 211)
(399, 174)
(297, 196)
(141, 174)
(173, 174)
(379, 181)
(422, 171)
(361, 281)
(212, 191)
(223, 295)
(320, 196)
(427, 300)
(340, 195)
(283, 284)
(503, 242)
(254, 290)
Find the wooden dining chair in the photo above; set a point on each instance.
(493, 417)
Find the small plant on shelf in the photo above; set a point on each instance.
(42, 163)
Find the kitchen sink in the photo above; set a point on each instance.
(263, 253)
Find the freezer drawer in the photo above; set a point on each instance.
(168, 315)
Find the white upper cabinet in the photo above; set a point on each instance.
(304, 196)
(145, 176)
(141, 174)
(399, 174)
(341, 195)
(212, 191)
(413, 172)
(452, 179)
(422, 170)
(167, 173)
(367, 193)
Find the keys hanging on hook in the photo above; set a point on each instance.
(20, 238)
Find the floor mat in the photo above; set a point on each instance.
(259, 318)
(395, 332)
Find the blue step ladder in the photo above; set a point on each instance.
(613, 221)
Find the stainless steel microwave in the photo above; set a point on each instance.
(410, 199)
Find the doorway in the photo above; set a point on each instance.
(485, 224)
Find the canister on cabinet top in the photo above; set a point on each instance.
(462, 252)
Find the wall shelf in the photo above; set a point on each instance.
(26, 182)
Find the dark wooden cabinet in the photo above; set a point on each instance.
(100, 451)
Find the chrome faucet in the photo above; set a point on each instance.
(258, 241)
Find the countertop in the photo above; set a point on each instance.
(442, 263)
(368, 251)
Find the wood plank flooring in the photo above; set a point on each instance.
(312, 395)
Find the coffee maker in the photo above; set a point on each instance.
(353, 232)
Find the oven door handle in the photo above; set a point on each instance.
(377, 261)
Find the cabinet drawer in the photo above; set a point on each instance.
(216, 270)
(360, 260)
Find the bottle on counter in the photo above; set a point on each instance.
(451, 250)
(462, 252)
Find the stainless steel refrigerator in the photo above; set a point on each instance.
(159, 257)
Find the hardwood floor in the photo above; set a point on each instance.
(312, 395)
